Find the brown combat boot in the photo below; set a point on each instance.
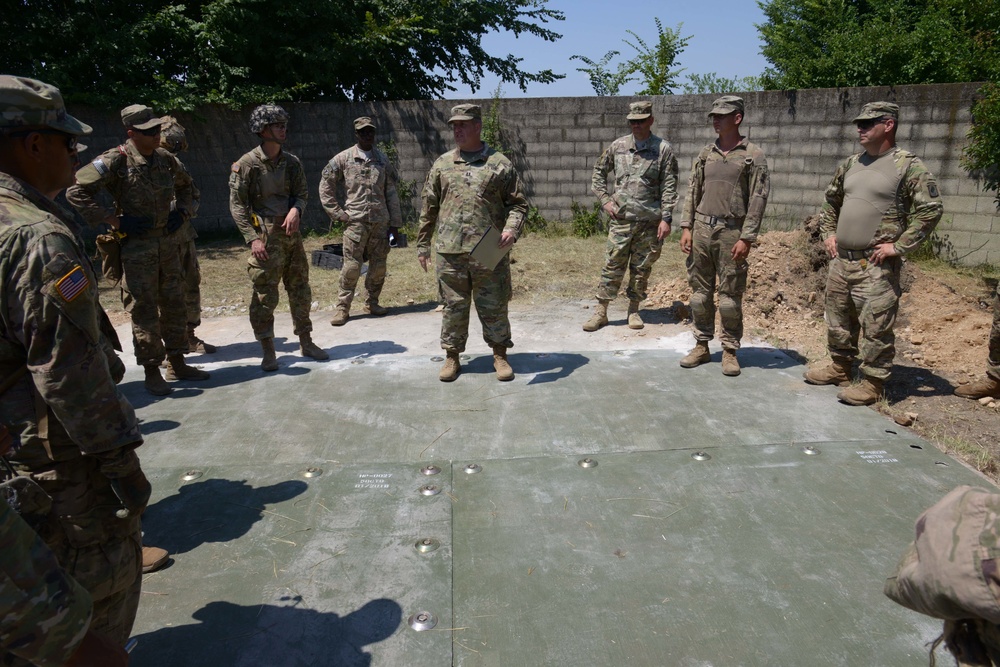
(340, 317)
(452, 366)
(634, 321)
(730, 364)
(178, 369)
(376, 310)
(270, 361)
(153, 558)
(155, 384)
(866, 392)
(307, 348)
(504, 372)
(599, 318)
(196, 344)
(980, 389)
(698, 355)
(837, 372)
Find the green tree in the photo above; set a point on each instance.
(713, 83)
(246, 51)
(981, 156)
(655, 64)
(605, 81)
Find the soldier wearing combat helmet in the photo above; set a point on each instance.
(267, 195)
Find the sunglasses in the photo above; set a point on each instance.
(869, 123)
(637, 122)
(151, 132)
(70, 138)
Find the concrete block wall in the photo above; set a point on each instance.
(555, 142)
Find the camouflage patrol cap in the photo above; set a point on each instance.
(140, 117)
(172, 135)
(726, 105)
(874, 110)
(639, 111)
(363, 121)
(29, 103)
(267, 114)
(466, 112)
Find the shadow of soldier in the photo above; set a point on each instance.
(289, 635)
(544, 367)
(213, 510)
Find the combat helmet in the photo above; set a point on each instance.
(172, 136)
(266, 114)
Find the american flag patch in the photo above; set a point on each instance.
(74, 282)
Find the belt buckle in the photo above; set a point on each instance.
(863, 263)
(713, 221)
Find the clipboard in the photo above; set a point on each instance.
(487, 251)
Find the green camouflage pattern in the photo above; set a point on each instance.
(632, 247)
(265, 115)
(911, 218)
(711, 256)
(645, 181)
(461, 199)
(46, 612)
(862, 300)
(363, 241)
(31, 103)
(993, 361)
(286, 262)
(191, 280)
(461, 280)
(269, 188)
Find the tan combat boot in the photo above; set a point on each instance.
(980, 389)
(307, 348)
(730, 364)
(196, 344)
(178, 369)
(837, 372)
(340, 317)
(153, 558)
(698, 355)
(634, 321)
(599, 318)
(504, 372)
(376, 310)
(270, 361)
(155, 384)
(866, 392)
(452, 366)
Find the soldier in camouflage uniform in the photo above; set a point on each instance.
(990, 385)
(267, 195)
(371, 211)
(468, 190)
(152, 195)
(76, 431)
(723, 210)
(641, 210)
(881, 204)
(174, 139)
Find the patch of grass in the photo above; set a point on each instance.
(586, 222)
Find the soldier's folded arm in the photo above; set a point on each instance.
(90, 179)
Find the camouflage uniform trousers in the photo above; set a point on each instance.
(286, 262)
(632, 246)
(153, 296)
(711, 256)
(993, 363)
(862, 300)
(191, 271)
(461, 280)
(361, 240)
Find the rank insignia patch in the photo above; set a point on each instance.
(72, 284)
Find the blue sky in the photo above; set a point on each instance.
(723, 40)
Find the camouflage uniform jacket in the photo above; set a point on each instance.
(67, 404)
(915, 212)
(45, 612)
(269, 188)
(645, 180)
(141, 186)
(749, 196)
(369, 185)
(187, 231)
(464, 198)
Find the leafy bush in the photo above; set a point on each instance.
(981, 156)
(586, 222)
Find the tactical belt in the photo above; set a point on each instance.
(714, 221)
(854, 255)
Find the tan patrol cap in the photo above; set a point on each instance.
(29, 103)
(465, 112)
(726, 105)
(140, 117)
(878, 110)
(363, 121)
(639, 110)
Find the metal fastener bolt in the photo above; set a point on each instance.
(430, 470)
(701, 456)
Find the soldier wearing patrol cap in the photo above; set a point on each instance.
(370, 209)
(75, 433)
(881, 204)
(152, 193)
(468, 190)
(640, 206)
(267, 195)
(723, 211)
